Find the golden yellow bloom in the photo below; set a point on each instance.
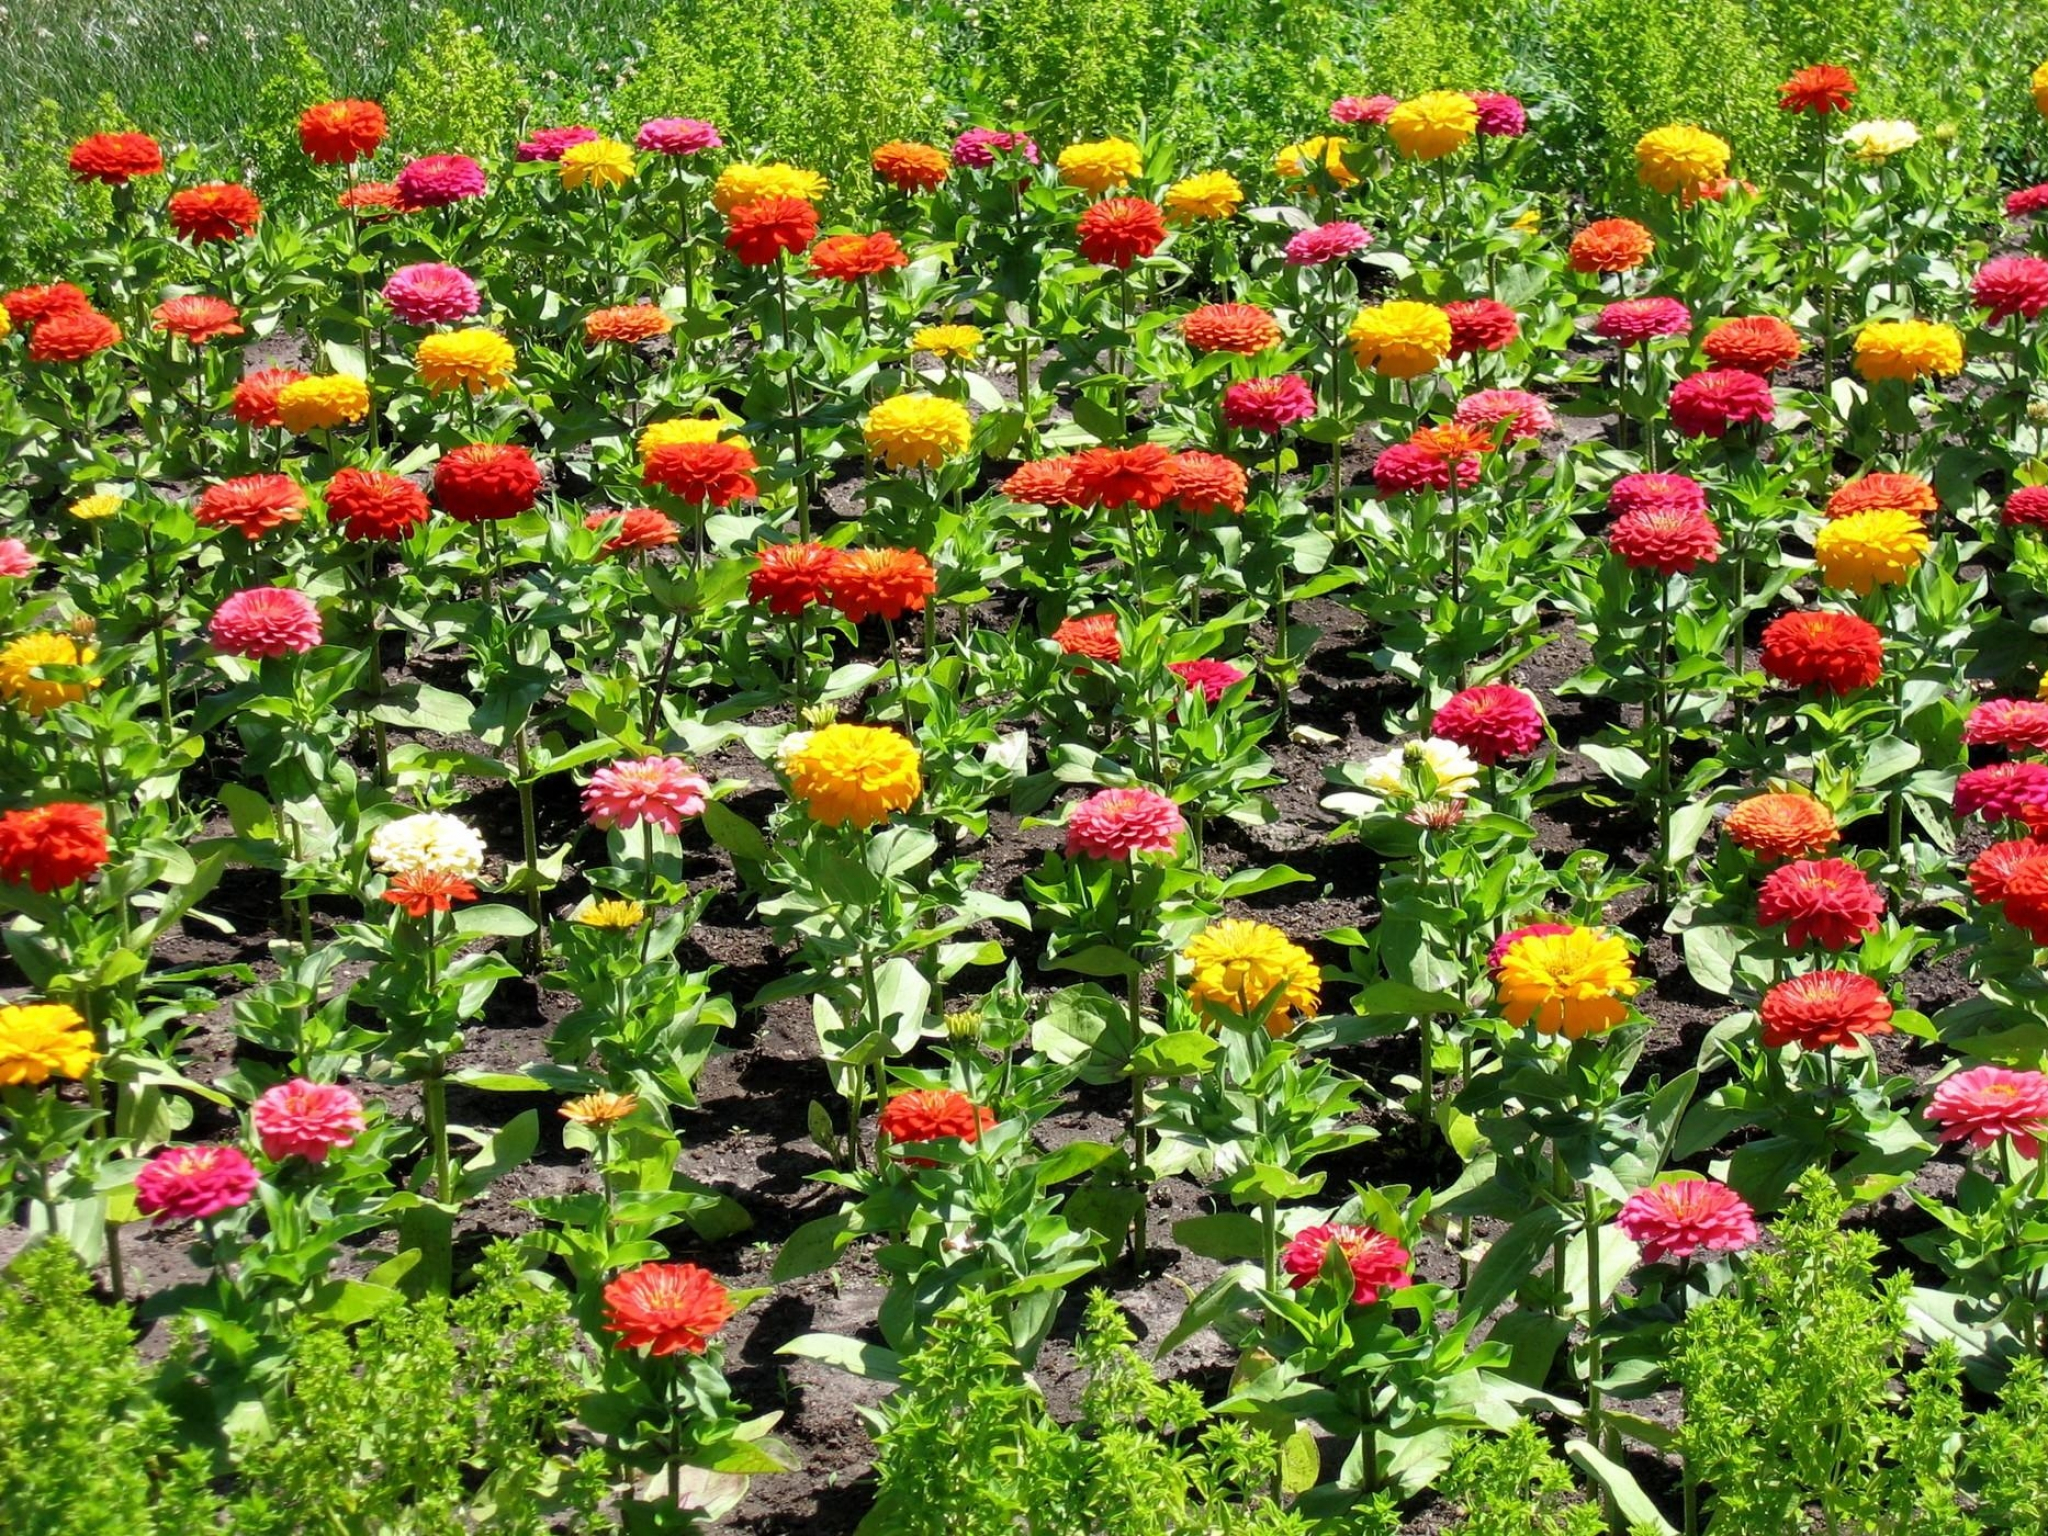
(691, 429)
(597, 163)
(917, 431)
(1567, 983)
(1866, 550)
(738, 185)
(1402, 338)
(1680, 159)
(474, 359)
(853, 774)
(6, 325)
(323, 401)
(1209, 195)
(1324, 151)
(1908, 349)
(39, 1041)
(1432, 125)
(1529, 223)
(1100, 166)
(2041, 89)
(617, 916)
(90, 509)
(20, 661)
(600, 1108)
(955, 341)
(1878, 140)
(1254, 971)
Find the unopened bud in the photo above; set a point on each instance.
(963, 1026)
(2037, 412)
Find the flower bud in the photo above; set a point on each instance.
(963, 1026)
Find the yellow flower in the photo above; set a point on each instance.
(597, 163)
(6, 325)
(2041, 89)
(1325, 152)
(853, 774)
(738, 185)
(617, 916)
(1529, 223)
(1567, 983)
(921, 431)
(600, 1108)
(1210, 195)
(323, 401)
(956, 341)
(39, 1041)
(474, 359)
(1100, 166)
(1254, 971)
(1680, 158)
(1870, 549)
(90, 509)
(1432, 125)
(692, 429)
(1402, 339)
(1881, 138)
(1908, 349)
(21, 660)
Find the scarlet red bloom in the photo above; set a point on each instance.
(198, 317)
(368, 504)
(1207, 482)
(1669, 543)
(1818, 89)
(303, 1119)
(1611, 245)
(1680, 1218)
(1708, 404)
(116, 158)
(33, 305)
(486, 482)
(791, 577)
(2026, 507)
(1631, 322)
(1759, 344)
(1119, 230)
(717, 474)
(1883, 493)
(1240, 328)
(2020, 723)
(2027, 202)
(1212, 678)
(438, 181)
(1409, 466)
(337, 132)
(1782, 826)
(1113, 824)
(265, 621)
(851, 258)
(1837, 653)
(1094, 637)
(2002, 791)
(1987, 1104)
(1043, 483)
(255, 402)
(1481, 325)
(2025, 897)
(626, 323)
(217, 210)
(1379, 1264)
(666, 1309)
(1992, 870)
(1656, 493)
(1828, 901)
(252, 505)
(758, 233)
(72, 337)
(2012, 285)
(193, 1183)
(1492, 721)
(1820, 1010)
(48, 847)
(930, 1114)
(1123, 477)
(640, 529)
(420, 891)
(1268, 405)
(881, 583)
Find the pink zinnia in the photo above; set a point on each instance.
(1481, 325)
(1379, 1264)
(431, 293)
(15, 558)
(1212, 677)
(553, 143)
(677, 136)
(193, 1183)
(1630, 322)
(2002, 791)
(1363, 109)
(2019, 723)
(2012, 285)
(1326, 243)
(309, 1120)
(1116, 823)
(265, 621)
(977, 148)
(1523, 414)
(1987, 1103)
(1669, 543)
(1500, 116)
(2027, 202)
(1656, 493)
(1491, 721)
(1405, 467)
(663, 790)
(435, 181)
(1268, 405)
(1497, 956)
(1708, 404)
(2026, 507)
(1681, 1218)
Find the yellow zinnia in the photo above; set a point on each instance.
(1209, 195)
(1866, 550)
(1402, 339)
(610, 914)
(1908, 349)
(2041, 89)
(1567, 983)
(917, 431)
(1323, 152)
(738, 185)
(39, 1041)
(1680, 158)
(1878, 140)
(1433, 125)
(1100, 166)
(323, 401)
(474, 359)
(600, 1108)
(1254, 971)
(599, 163)
(692, 429)
(91, 509)
(22, 658)
(6, 324)
(955, 341)
(853, 775)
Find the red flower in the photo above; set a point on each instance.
(791, 577)
(1708, 404)
(758, 233)
(1113, 824)
(2026, 507)
(2021, 723)
(252, 505)
(1094, 637)
(1829, 901)
(714, 473)
(881, 583)
(1492, 721)
(486, 482)
(336, 132)
(197, 317)
(48, 847)
(666, 1309)
(255, 402)
(1123, 477)
(1669, 543)
(1379, 1264)
(1043, 483)
(1119, 230)
(640, 529)
(114, 158)
(930, 1114)
(1481, 325)
(1986, 1104)
(1883, 493)
(33, 305)
(1837, 653)
(1760, 344)
(2003, 791)
(217, 210)
(850, 258)
(2027, 202)
(182, 1183)
(371, 200)
(1819, 89)
(1631, 322)
(368, 504)
(72, 337)
(2025, 897)
(1268, 405)
(1992, 870)
(1823, 1009)
(2012, 285)
(1682, 1217)
(422, 891)
(1410, 466)
(1207, 482)
(1239, 328)
(1211, 678)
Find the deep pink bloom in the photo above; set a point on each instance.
(1656, 493)
(2002, 791)
(1708, 404)
(1496, 956)
(1116, 823)
(1681, 1218)
(193, 1183)
(1327, 242)
(1363, 109)
(1481, 325)
(1491, 721)
(1631, 322)
(2027, 202)
(1987, 1103)
(1500, 116)
(552, 143)
(1213, 678)
(977, 148)
(431, 293)
(1406, 467)
(1379, 1264)
(435, 181)
(16, 559)
(1524, 414)
(1669, 543)
(2012, 285)
(663, 790)
(2026, 507)
(265, 621)
(2021, 723)
(309, 1120)
(1268, 405)
(677, 136)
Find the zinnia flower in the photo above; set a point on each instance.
(1761, 344)
(34, 304)
(1254, 971)
(1043, 483)
(1868, 550)
(1671, 160)
(1500, 116)
(955, 342)
(1326, 243)
(1452, 774)
(677, 136)
(198, 318)
(1456, 448)
(1631, 322)
(486, 482)
(759, 232)
(1433, 125)
(1514, 936)
(1404, 467)
(252, 505)
(438, 181)
(427, 891)
(369, 505)
(1363, 109)
(1100, 166)
(1094, 637)
(427, 842)
(1268, 405)
(662, 790)
(1212, 679)
(1820, 1010)
(712, 474)
(1908, 350)
(39, 1041)
(1208, 195)
(115, 159)
(2003, 791)
(1877, 141)
(640, 530)
(853, 258)
(255, 399)
(1114, 824)
(1883, 493)
(1828, 901)
(739, 185)
(1480, 325)
(1120, 230)
(1788, 825)
(2026, 507)
(932, 1114)
(910, 167)
(338, 132)
(1123, 477)
(474, 360)
(2024, 898)
(2011, 285)
(1992, 870)
(16, 559)
(602, 1109)
(1379, 1264)
(2027, 202)
(1819, 89)
(1838, 653)
(596, 163)
(1681, 1218)
(215, 210)
(1567, 983)
(1208, 482)
(1323, 152)
(977, 148)
(304, 1119)
(72, 336)
(1492, 721)
(1708, 404)
(548, 145)
(431, 293)
(265, 621)
(1402, 338)
(193, 1183)
(917, 431)
(1987, 1104)
(881, 583)
(791, 577)
(1671, 543)
(1610, 246)
(22, 661)
(371, 200)
(666, 1309)
(322, 402)
(854, 775)
(2018, 723)
(1524, 415)
(1240, 328)
(48, 847)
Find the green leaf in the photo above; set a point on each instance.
(1071, 1161)
(734, 833)
(812, 1247)
(1636, 1508)
(1183, 1053)
(1511, 1259)
(493, 920)
(500, 1155)
(851, 1355)
(1226, 1236)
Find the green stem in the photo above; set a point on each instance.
(795, 404)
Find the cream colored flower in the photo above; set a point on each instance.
(428, 843)
(1877, 140)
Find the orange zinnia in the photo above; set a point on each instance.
(1783, 826)
(869, 583)
(1611, 245)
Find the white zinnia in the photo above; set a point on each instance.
(1384, 778)
(428, 843)
(1880, 138)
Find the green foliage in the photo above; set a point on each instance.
(1427, 45)
(1078, 69)
(454, 94)
(1511, 1485)
(44, 216)
(277, 163)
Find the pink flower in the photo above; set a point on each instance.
(677, 136)
(1500, 116)
(977, 148)
(1496, 956)
(551, 143)
(2002, 791)
(1212, 677)
(1708, 404)
(2027, 202)
(309, 1120)
(1268, 405)
(2020, 723)
(1491, 721)
(435, 181)
(15, 558)
(1669, 543)
(431, 293)
(1524, 414)
(2026, 507)
(193, 1183)
(2012, 285)
(1656, 493)
(1327, 242)
(265, 621)
(1684, 1217)
(1378, 1263)
(1631, 322)
(1363, 109)
(1986, 1103)
(1116, 823)
(662, 790)
(1405, 467)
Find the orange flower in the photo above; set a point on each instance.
(197, 317)
(252, 505)
(1208, 482)
(910, 167)
(113, 158)
(666, 1308)
(72, 337)
(1819, 89)
(421, 891)
(626, 323)
(791, 577)
(852, 258)
(1883, 492)
(715, 473)
(216, 210)
(255, 400)
(869, 583)
(1123, 477)
(928, 1114)
(1042, 483)
(1611, 245)
(1753, 343)
(1241, 328)
(1119, 230)
(371, 199)
(758, 233)
(1783, 826)
(640, 529)
(1094, 637)
(336, 132)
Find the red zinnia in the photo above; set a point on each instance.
(1208, 482)
(48, 847)
(791, 577)
(2003, 791)
(1123, 477)
(217, 210)
(1683, 1217)
(1835, 652)
(850, 258)
(1656, 493)
(640, 529)
(1119, 230)
(2012, 285)
(2025, 897)
(252, 505)
(1492, 721)
(1669, 543)
(1211, 678)
(1094, 637)
(1240, 328)
(1481, 325)
(758, 233)
(72, 336)
(715, 473)
(1829, 901)
(1268, 405)
(1708, 404)
(1986, 1104)
(37, 302)
(255, 402)
(1819, 89)
(371, 199)
(1042, 483)
(2026, 507)
(1882, 492)
(1379, 1264)
(2027, 202)
(666, 1309)
(368, 504)
(486, 482)
(115, 158)
(1759, 344)
(1992, 870)
(881, 583)
(930, 1114)
(336, 132)
(1823, 1009)
(421, 891)
(197, 317)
